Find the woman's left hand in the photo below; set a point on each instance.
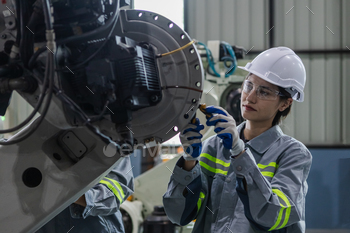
(225, 127)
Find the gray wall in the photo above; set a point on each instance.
(236, 22)
(323, 117)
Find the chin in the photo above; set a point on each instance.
(246, 115)
(249, 117)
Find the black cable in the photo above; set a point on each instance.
(103, 137)
(36, 109)
(27, 40)
(77, 66)
(101, 114)
(62, 96)
(49, 26)
(30, 117)
(85, 118)
(93, 32)
(47, 14)
(88, 22)
(18, 11)
(182, 87)
(50, 73)
(35, 56)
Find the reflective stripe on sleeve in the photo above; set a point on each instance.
(214, 170)
(215, 160)
(118, 185)
(115, 187)
(268, 170)
(288, 208)
(213, 164)
(272, 164)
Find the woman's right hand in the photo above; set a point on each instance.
(191, 140)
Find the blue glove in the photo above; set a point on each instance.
(191, 140)
(225, 127)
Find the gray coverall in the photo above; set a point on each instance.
(275, 168)
(101, 214)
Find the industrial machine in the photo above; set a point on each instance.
(98, 74)
(221, 88)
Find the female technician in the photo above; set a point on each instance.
(250, 178)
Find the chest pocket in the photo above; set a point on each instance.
(269, 170)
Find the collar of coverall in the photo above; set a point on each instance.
(263, 142)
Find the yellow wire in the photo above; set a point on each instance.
(177, 50)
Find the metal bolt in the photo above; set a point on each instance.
(154, 98)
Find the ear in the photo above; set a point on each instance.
(285, 104)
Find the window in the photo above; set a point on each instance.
(173, 10)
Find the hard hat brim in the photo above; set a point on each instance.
(300, 99)
(242, 68)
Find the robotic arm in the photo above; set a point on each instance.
(101, 77)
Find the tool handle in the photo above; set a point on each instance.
(202, 108)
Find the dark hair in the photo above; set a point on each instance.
(282, 115)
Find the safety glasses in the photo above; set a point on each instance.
(262, 92)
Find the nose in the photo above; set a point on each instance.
(251, 97)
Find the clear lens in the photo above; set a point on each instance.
(247, 87)
(261, 92)
(264, 93)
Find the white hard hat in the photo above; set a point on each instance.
(282, 67)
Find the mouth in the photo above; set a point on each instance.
(249, 108)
